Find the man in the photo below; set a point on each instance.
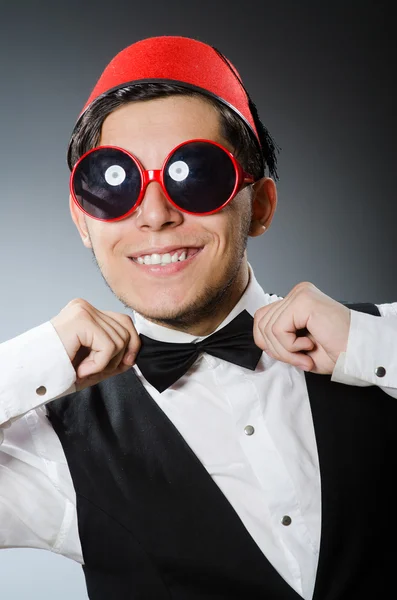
(170, 455)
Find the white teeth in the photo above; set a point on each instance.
(161, 259)
(156, 259)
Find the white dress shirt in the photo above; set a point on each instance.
(252, 431)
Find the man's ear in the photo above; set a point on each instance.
(80, 221)
(264, 204)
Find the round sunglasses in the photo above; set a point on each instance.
(198, 177)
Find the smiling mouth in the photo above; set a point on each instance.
(163, 260)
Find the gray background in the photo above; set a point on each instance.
(323, 78)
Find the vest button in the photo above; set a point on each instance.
(249, 430)
(380, 371)
(286, 520)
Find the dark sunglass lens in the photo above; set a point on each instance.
(199, 177)
(107, 183)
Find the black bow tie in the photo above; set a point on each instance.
(163, 363)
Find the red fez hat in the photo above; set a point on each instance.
(182, 60)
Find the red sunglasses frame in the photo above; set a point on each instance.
(149, 175)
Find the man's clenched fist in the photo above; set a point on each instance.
(306, 329)
(99, 343)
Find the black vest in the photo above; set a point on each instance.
(153, 524)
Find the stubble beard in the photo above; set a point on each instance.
(212, 300)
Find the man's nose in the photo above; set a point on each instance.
(156, 211)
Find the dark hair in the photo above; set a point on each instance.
(253, 159)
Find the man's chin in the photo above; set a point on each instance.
(171, 311)
(194, 311)
(167, 317)
(183, 318)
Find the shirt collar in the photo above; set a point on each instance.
(253, 298)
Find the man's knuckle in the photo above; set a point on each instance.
(80, 307)
(73, 302)
(126, 320)
(303, 286)
(126, 336)
(111, 346)
(82, 313)
(259, 313)
(268, 329)
(78, 302)
(120, 342)
(277, 329)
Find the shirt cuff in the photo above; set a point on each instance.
(372, 343)
(35, 368)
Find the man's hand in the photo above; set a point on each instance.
(100, 344)
(324, 321)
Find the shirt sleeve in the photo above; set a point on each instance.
(37, 496)
(34, 369)
(371, 353)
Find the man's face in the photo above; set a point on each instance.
(214, 274)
